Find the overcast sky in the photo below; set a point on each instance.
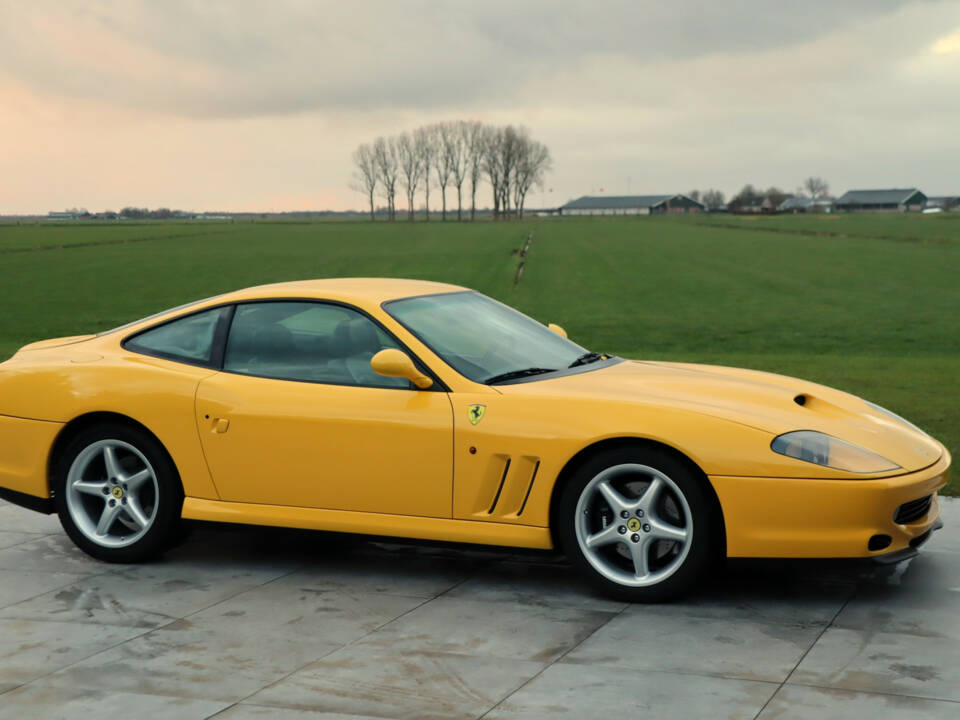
(257, 105)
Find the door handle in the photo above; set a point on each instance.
(221, 425)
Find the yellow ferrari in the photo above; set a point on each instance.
(424, 410)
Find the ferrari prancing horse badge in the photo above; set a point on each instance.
(475, 413)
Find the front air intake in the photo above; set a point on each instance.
(913, 510)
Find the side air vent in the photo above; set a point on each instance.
(913, 510)
(503, 479)
(529, 488)
(800, 399)
(506, 487)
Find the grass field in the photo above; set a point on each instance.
(867, 303)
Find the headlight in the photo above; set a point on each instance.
(821, 449)
(893, 415)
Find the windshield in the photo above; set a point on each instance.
(483, 339)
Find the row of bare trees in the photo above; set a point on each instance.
(712, 198)
(814, 187)
(452, 155)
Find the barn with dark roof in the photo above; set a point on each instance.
(632, 205)
(896, 200)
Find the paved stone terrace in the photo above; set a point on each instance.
(259, 623)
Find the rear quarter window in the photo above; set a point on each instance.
(188, 339)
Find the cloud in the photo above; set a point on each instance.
(258, 105)
(233, 58)
(948, 44)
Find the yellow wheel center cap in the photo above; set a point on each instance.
(633, 524)
(117, 492)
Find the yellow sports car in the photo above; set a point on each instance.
(424, 410)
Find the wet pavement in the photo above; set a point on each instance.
(245, 622)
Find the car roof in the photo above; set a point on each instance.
(367, 293)
(361, 291)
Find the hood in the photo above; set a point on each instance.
(773, 403)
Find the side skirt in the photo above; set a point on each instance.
(407, 526)
(31, 502)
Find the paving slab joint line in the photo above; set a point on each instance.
(11, 689)
(337, 649)
(58, 587)
(874, 692)
(806, 652)
(146, 631)
(552, 663)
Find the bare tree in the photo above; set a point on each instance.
(411, 168)
(510, 142)
(476, 141)
(492, 164)
(385, 152)
(713, 199)
(459, 161)
(366, 175)
(748, 194)
(447, 148)
(502, 151)
(816, 186)
(425, 146)
(775, 197)
(694, 195)
(533, 162)
(452, 153)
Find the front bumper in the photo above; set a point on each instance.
(797, 518)
(892, 558)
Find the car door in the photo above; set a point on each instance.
(298, 417)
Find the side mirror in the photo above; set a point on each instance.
(395, 363)
(557, 329)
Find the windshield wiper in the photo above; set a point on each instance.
(587, 358)
(514, 374)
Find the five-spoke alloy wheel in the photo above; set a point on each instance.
(639, 522)
(117, 493)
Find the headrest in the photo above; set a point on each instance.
(275, 342)
(356, 336)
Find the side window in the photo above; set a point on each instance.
(189, 339)
(311, 342)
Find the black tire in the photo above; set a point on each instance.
(608, 561)
(165, 500)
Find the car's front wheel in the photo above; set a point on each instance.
(117, 493)
(639, 522)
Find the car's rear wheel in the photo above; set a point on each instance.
(117, 493)
(639, 522)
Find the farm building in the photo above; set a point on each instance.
(632, 205)
(753, 206)
(804, 204)
(944, 202)
(899, 200)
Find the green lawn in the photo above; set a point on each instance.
(940, 228)
(867, 303)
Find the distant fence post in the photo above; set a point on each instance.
(523, 258)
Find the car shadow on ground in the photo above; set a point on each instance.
(540, 577)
